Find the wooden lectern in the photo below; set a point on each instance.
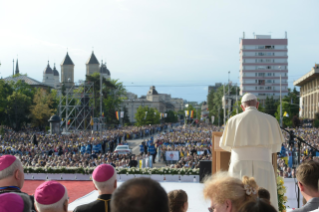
(221, 158)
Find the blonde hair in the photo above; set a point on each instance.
(221, 187)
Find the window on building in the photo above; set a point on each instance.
(261, 82)
(260, 47)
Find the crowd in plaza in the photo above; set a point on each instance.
(193, 144)
(288, 157)
(82, 149)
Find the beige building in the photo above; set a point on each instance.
(161, 102)
(309, 93)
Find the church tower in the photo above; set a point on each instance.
(56, 76)
(67, 71)
(92, 65)
(17, 68)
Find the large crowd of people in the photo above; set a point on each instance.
(193, 144)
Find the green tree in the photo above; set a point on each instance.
(18, 109)
(151, 117)
(42, 110)
(171, 117)
(214, 101)
(107, 85)
(271, 105)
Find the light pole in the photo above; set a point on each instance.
(67, 107)
(101, 95)
(280, 99)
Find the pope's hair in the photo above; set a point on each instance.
(106, 185)
(221, 187)
(58, 206)
(9, 171)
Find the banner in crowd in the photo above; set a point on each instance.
(122, 114)
(172, 155)
(117, 115)
(300, 107)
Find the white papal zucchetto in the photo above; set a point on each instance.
(247, 97)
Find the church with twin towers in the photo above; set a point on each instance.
(51, 77)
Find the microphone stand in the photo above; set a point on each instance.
(299, 141)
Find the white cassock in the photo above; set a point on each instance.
(252, 137)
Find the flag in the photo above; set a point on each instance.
(103, 114)
(91, 122)
(186, 113)
(69, 121)
(286, 114)
(192, 114)
(117, 115)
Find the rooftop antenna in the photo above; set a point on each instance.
(92, 48)
(286, 34)
(13, 67)
(254, 34)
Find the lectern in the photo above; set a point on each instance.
(221, 158)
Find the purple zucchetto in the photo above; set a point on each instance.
(11, 202)
(103, 173)
(6, 161)
(49, 192)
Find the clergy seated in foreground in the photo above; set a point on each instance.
(307, 176)
(12, 176)
(252, 137)
(104, 179)
(228, 194)
(15, 202)
(51, 196)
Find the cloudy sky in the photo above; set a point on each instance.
(180, 46)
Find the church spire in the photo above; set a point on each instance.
(17, 67)
(12, 67)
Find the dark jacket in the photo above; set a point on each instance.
(97, 205)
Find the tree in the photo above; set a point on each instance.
(215, 102)
(42, 110)
(271, 106)
(126, 119)
(106, 86)
(171, 117)
(17, 110)
(146, 116)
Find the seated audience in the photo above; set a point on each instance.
(229, 193)
(104, 179)
(307, 175)
(51, 196)
(11, 175)
(15, 202)
(263, 194)
(140, 195)
(257, 206)
(177, 201)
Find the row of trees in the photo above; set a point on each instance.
(21, 104)
(148, 115)
(290, 104)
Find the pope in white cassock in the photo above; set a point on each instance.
(252, 137)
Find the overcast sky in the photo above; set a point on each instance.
(180, 46)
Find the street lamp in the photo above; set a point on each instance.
(280, 98)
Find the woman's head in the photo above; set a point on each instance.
(259, 205)
(229, 193)
(178, 201)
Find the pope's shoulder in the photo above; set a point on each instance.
(248, 114)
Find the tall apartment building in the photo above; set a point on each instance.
(262, 61)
